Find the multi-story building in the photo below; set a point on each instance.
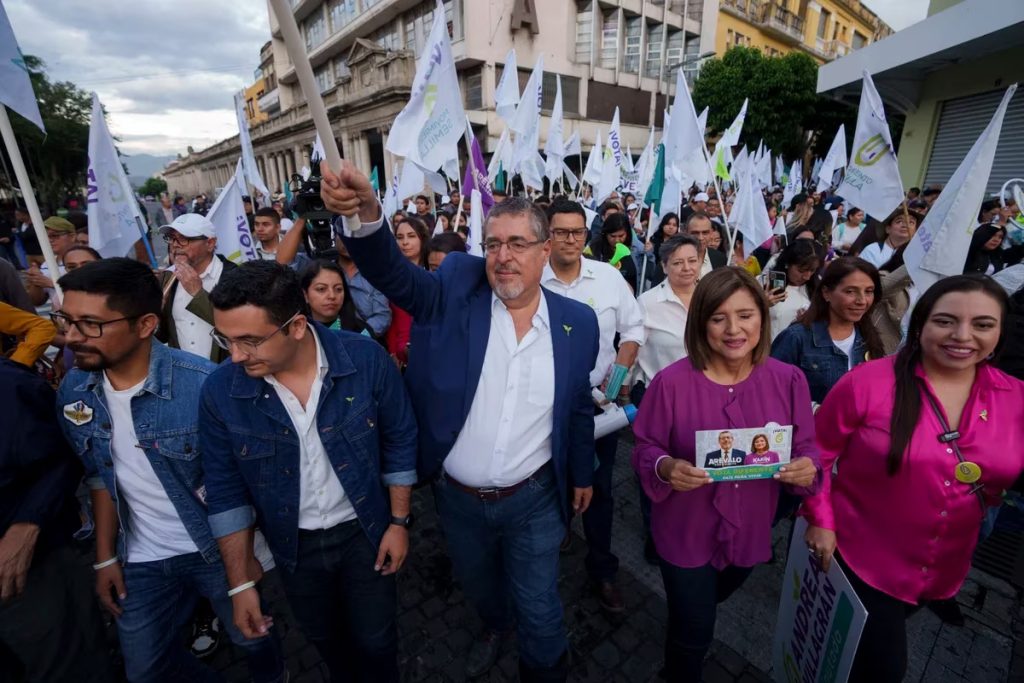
(824, 29)
(618, 53)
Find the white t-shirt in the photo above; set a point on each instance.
(846, 346)
(877, 254)
(784, 313)
(155, 532)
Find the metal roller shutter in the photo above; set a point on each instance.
(961, 122)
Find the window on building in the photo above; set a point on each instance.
(823, 23)
(570, 93)
(341, 13)
(323, 77)
(584, 31)
(859, 40)
(315, 30)
(367, 4)
(631, 54)
(474, 89)
(387, 37)
(652, 62)
(673, 53)
(341, 70)
(610, 39)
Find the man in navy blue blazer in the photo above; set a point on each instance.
(499, 377)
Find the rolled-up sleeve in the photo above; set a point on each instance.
(398, 442)
(227, 498)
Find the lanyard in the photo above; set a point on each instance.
(950, 437)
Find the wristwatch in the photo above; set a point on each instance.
(402, 521)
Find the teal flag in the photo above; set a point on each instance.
(657, 187)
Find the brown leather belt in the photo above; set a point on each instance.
(493, 493)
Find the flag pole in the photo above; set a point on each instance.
(25, 185)
(730, 233)
(304, 72)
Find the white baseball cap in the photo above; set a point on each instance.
(632, 207)
(190, 225)
(701, 197)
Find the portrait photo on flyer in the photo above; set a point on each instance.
(749, 453)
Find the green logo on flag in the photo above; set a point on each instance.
(871, 151)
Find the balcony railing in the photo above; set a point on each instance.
(783, 22)
(749, 9)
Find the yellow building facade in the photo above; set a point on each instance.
(824, 29)
(251, 96)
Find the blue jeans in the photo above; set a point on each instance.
(345, 608)
(602, 564)
(506, 551)
(693, 595)
(161, 598)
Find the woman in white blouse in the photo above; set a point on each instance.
(665, 305)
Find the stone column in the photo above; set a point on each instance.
(363, 149)
(385, 182)
(282, 174)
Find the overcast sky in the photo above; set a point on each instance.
(167, 70)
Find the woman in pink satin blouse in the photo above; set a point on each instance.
(925, 441)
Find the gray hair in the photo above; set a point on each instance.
(669, 246)
(521, 206)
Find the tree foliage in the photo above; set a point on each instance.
(784, 108)
(57, 162)
(153, 187)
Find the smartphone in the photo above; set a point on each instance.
(777, 280)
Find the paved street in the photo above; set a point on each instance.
(436, 625)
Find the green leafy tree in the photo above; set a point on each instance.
(784, 108)
(56, 162)
(153, 187)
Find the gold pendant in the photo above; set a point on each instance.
(968, 472)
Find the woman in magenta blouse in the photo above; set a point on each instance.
(710, 535)
(760, 452)
(903, 513)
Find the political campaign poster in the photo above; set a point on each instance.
(820, 619)
(730, 454)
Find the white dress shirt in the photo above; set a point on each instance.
(664, 322)
(706, 266)
(194, 332)
(602, 287)
(322, 500)
(877, 253)
(507, 434)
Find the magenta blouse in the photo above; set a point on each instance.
(723, 523)
(912, 535)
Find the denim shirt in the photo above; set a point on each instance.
(811, 349)
(164, 417)
(251, 451)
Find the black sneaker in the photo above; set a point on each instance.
(483, 654)
(206, 635)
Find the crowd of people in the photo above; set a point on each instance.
(212, 421)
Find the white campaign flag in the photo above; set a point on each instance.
(683, 138)
(595, 160)
(476, 223)
(872, 180)
(252, 171)
(526, 125)
(115, 222)
(614, 143)
(939, 247)
(433, 120)
(496, 157)
(794, 183)
(572, 146)
(780, 170)
(506, 97)
(611, 163)
(391, 202)
(234, 240)
(834, 160)
(749, 214)
(15, 85)
(645, 164)
(554, 146)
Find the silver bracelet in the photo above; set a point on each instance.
(106, 563)
(238, 589)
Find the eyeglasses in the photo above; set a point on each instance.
(247, 347)
(91, 329)
(517, 245)
(563, 234)
(182, 240)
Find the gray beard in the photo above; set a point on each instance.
(509, 291)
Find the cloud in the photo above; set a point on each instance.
(166, 70)
(899, 14)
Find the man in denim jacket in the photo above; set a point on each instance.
(310, 433)
(128, 410)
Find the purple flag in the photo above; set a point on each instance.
(476, 177)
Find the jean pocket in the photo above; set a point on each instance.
(183, 446)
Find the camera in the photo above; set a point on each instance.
(319, 237)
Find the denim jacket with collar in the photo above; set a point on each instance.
(811, 349)
(251, 451)
(164, 417)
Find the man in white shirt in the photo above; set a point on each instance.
(186, 315)
(128, 408)
(602, 288)
(726, 455)
(499, 377)
(38, 280)
(266, 228)
(700, 227)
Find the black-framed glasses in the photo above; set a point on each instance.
(91, 329)
(247, 347)
(182, 240)
(517, 245)
(563, 234)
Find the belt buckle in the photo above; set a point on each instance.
(484, 492)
